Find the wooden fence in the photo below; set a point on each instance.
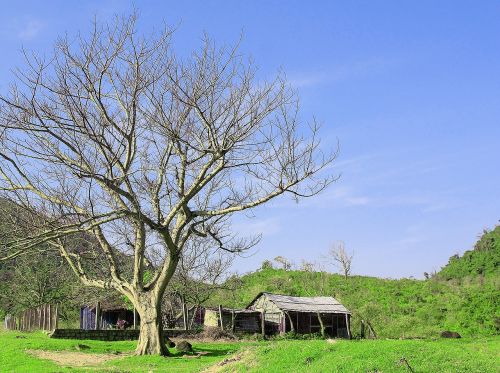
(44, 317)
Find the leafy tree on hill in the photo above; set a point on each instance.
(483, 260)
(404, 307)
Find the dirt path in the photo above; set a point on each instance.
(76, 359)
(242, 357)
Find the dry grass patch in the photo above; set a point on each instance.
(76, 359)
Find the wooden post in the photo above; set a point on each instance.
(50, 318)
(185, 315)
(232, 320)
(337, 320)
(56, 321)
(292, 328)
(220, 317)
(263, 323)
(348, 326)
(333, 316)
(98, 316)
(370, 328)
(322, 325)
(44, 313)
(135, 318)
(362, 328)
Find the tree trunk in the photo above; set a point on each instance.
(151, 339)
(322, 325)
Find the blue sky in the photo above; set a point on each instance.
(410, 89)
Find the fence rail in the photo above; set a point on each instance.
(44, 317)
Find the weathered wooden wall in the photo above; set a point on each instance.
(44, 317)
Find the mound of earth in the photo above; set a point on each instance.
(184, 346)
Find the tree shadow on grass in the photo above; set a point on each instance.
(205, 352)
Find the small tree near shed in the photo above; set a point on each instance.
(341, 258)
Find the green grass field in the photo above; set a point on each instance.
(16, 355)
(463, 355)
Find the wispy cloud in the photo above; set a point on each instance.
(30, 29)
(342, 72)
(339, 196)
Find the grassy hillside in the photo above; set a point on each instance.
(470, 355)
(395, 308)
(464, 296)
(483, 260)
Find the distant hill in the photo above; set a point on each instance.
(484, 259)
(458, 298)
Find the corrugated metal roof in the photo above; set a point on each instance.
(307, 304)
(229, 310)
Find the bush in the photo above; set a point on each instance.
(297, 336)
(216, 333)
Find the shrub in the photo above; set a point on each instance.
(216, 333)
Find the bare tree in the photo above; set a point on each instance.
(116, 136)
(285, 263)
(307, 266)
(341, 258)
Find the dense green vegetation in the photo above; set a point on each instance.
(459, 298)
(483, 260)
(395, 308)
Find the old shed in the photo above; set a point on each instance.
(107, 313)
(237, 320)
(284, 313)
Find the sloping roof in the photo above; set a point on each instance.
(229, 310)
(305, 304)
(110, 303)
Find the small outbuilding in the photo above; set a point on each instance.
(304, 315)
(107, 314)
(236, 320)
